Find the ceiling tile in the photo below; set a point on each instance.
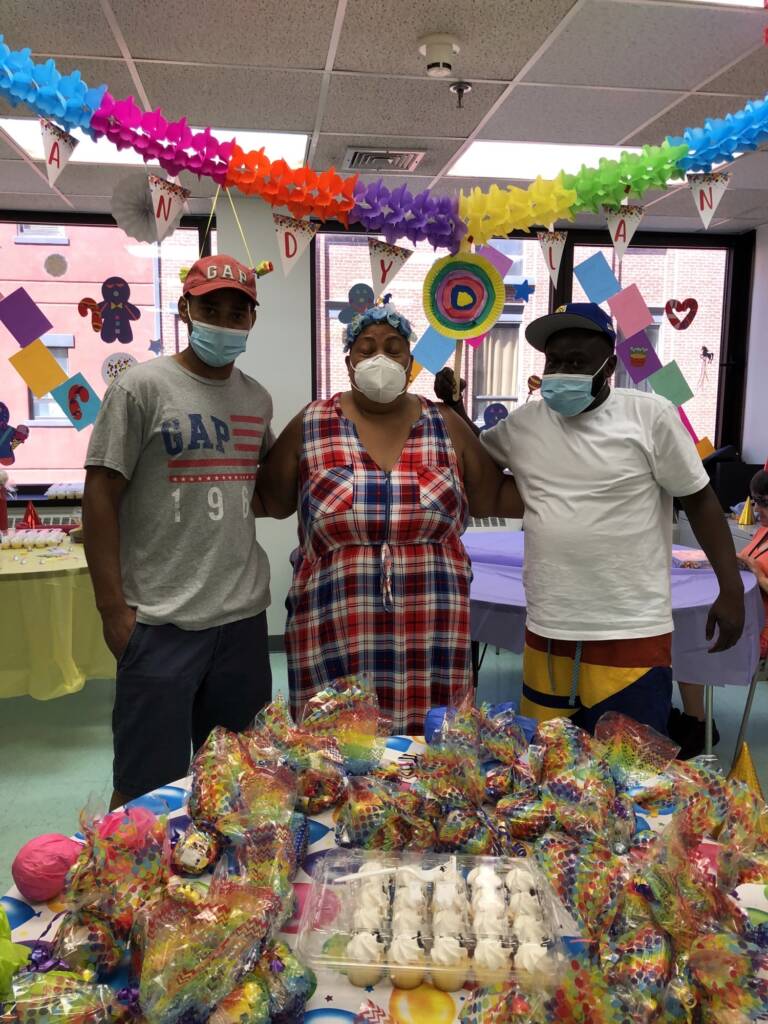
(750, 171)
(58, 26)
(749, 77)
(537, 113)
(690, 112)
(331, 150)
(737, 202)
(403, 106)
(272, 33)
(641, 45)
(496, 37)
(17, 175)
(228, 98)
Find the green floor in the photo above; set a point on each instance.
(54, 755)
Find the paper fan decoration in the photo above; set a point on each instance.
(133, 210)
(463, 295)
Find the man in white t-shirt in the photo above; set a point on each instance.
(597, 470)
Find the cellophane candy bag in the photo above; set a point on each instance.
(347, 711)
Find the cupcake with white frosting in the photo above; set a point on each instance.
(407, 962)
(490, 961)
(449, 963)
(449, 894)
(490, 924)
(533, 958)
(484, 877)
(368, 917)
(366, 949)
(524, 903)
(530, 929)
(520, 879)
(406, 920)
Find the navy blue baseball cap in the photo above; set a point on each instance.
(584, 315)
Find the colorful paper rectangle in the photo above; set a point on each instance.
(639, 356)
(687, 424)
(78, 401)
(500, 260)
(23, 317)
(596, 278)
(433, 350)
(705, 448)
(39, 369)
(630, 310)
(478, 341)
(670, 383)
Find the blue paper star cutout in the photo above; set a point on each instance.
(369, 988)
(156, 346)
(524, 290)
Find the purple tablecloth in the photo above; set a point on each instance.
(498, 611)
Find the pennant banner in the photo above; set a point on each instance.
(623, 222)
(293, 237)
(58, 146)
(167, 203)
(707, 190)
(552, 244)
(386, 261)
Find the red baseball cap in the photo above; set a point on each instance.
(214, 272)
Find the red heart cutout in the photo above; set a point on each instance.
(688, 306)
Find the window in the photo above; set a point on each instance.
(61, 282)
(45, 409)
(622, 377)
(41, 234)
(677, 272)
(496, 371)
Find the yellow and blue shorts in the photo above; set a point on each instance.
(583, 680)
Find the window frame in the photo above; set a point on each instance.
(57, 341)
(737, 297)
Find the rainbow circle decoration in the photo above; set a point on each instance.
(463, 295)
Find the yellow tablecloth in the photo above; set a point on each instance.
(50, 630)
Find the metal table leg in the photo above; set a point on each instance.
(708, 718)
(745, 716)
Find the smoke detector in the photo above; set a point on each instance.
(439, 49)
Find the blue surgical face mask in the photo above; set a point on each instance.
(569, 393)
(216, 346)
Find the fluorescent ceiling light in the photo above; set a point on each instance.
(25, 131)
(526, 160)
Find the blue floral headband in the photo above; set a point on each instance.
(385, 313)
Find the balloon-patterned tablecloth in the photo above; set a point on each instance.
(336, 1001)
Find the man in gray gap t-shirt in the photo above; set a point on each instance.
(181, 582)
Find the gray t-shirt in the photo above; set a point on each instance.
(189, 447)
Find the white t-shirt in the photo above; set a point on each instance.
(598, 492)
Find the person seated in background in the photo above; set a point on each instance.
(597, 469)
(383, 481)
(687, 727)
(180, 581)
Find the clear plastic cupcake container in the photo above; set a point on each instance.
(415, 917)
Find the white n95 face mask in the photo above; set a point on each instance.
(380, 378)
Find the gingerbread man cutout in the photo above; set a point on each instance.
(10, 437)
(116, 311)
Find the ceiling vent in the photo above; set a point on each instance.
(388, 161)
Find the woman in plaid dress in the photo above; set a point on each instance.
(381, 480)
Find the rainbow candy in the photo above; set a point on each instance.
(348, 711)
(635, 753)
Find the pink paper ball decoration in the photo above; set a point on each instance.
(41, 865)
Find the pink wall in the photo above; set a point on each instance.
(56, 453)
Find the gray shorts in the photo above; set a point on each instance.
(173, 686)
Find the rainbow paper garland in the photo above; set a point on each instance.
(441, 220)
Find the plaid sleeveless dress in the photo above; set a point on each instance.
(381, 578)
